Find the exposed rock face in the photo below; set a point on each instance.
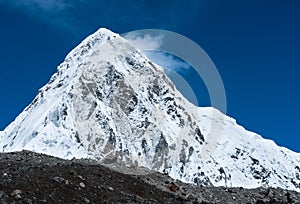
(108, 102)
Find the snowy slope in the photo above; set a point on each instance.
(107, 101)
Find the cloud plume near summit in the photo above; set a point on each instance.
(150, 46)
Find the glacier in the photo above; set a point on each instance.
(110, 103)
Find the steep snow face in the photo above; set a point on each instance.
(243, 158)
(108, 102)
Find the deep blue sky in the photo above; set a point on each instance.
(254, 44)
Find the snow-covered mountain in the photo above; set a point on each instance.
(108, 102)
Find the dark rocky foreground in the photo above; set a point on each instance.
(27, 177)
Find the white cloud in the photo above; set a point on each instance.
(146, 42)
(167, 61)
(150, 45)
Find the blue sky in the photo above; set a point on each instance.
(254, 44)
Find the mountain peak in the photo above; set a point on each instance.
(105, 31)
(108, 102)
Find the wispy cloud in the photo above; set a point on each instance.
(167, 61)
(53, 12)
(45, 5)
(146, 42)
(150, 46)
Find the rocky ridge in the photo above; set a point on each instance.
(28, 177)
